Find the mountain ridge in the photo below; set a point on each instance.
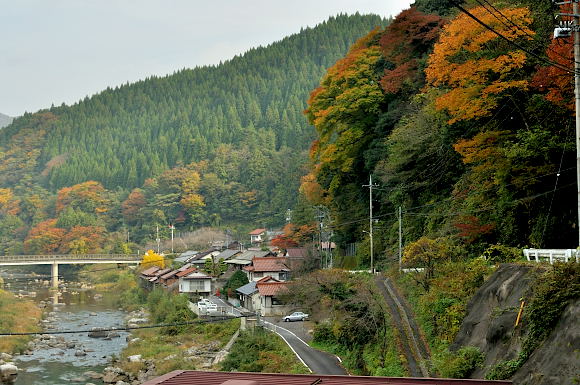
(5, 120)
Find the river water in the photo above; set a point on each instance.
(72, 309)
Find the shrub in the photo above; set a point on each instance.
(504, 370)
(165, 307)
(458, 364)
(238, 279)
(323, 333)
(502, 254)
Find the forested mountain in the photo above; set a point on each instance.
(209, 145)
(5, 120)
(471, 135)
(125, 135)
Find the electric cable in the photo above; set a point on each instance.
(519, 46)
(117, 329)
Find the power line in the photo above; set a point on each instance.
(113, 329)
(510, 21)
(519, 46)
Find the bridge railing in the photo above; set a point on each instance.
(69, 257)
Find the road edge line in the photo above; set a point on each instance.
(290, 346)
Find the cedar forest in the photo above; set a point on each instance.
(470, 135)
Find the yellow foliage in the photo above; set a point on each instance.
(5, 196)
(471, 63)
(151, 258)
(190, 183)
(192, 202)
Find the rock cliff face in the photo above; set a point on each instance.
(490, 326)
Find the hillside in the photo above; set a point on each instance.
(154, 124)
(5, 120)
(542, 348)
(221, 145)
(473, 152)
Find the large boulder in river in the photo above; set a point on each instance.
(98, 333)
(5, 357)
(8, 373)
(113, 374)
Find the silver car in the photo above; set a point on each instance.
(296, 316)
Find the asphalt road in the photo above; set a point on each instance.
(318, 362)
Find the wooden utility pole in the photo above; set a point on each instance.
(576, 30)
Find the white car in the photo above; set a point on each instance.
(296, 316)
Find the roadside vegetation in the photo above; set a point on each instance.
(17, 315)
(259, 350)
(351, 320)
(439, 293)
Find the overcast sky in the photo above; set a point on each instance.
(54, 51)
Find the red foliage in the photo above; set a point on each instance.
(283, 242)
(555, 82)
(131, 206)
(470, 228)
(404, 41)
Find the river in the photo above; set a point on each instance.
(72, 308)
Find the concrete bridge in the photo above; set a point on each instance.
(67, 259)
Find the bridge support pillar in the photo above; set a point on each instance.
(54, 275)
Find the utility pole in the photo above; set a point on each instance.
(172, 228)
(577, 97)
(158, 239)
(400, 241)
(320, 216)
(370, 186)
(564, 30)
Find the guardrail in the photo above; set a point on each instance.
(69, 257)
(551, 255)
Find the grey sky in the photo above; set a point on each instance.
(54, 51)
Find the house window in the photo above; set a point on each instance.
(276, 301)
(197, 285)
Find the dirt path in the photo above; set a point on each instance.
(413, 346)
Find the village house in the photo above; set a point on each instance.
(270, 304)
(227, 254)
(200, 259)
(238, 261)
(194, 283)
(257, 236)
(274, 267)
(169, 280)
(186, 256)
(296, 256)
(248, 294)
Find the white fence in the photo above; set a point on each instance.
(551, 255)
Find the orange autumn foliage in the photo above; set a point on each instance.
(312, 190)
(474, 67)
(87, 196)
(91, 238)
(45, 237)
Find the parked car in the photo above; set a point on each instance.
(296, 316)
